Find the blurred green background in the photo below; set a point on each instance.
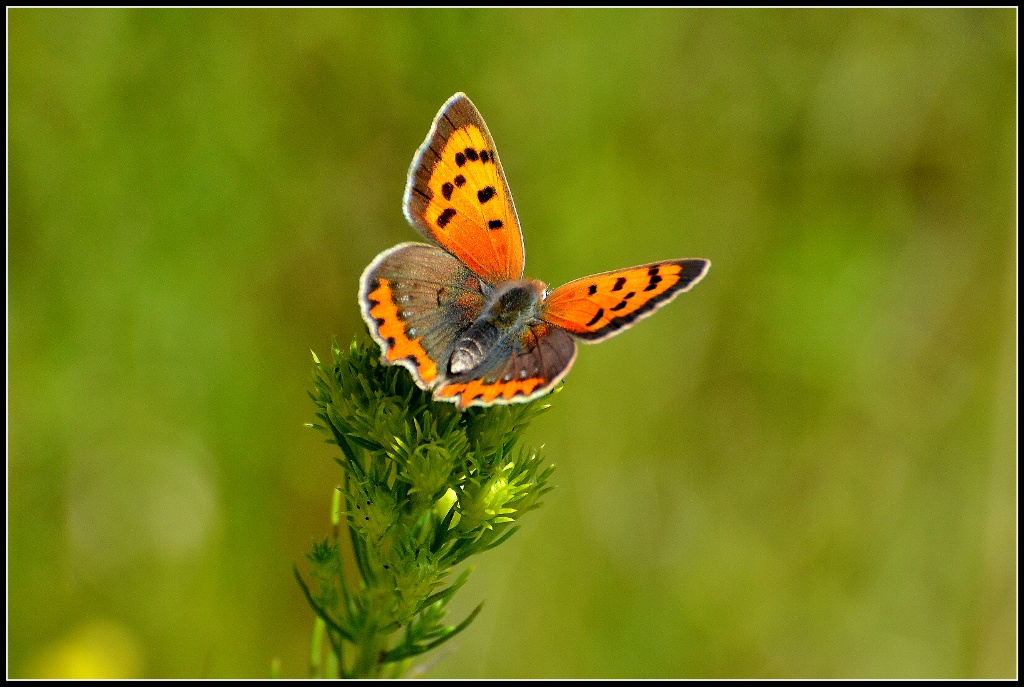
(806, 467)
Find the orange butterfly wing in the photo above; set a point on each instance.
(457, 195)
(597, 307)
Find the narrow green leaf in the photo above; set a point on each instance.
(321, 613)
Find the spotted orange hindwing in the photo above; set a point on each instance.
(597, 307)
(457, 195)
(415, 299)
(538, 359)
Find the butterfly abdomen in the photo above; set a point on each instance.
(473, 347)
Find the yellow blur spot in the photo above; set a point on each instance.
(100, 650)
(444, 504)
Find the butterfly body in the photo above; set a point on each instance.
(459, 315)
(509, 312)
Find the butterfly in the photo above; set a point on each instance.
(457, 313)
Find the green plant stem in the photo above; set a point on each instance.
(367, 660)
(424, 486)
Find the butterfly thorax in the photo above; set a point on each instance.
(509, 310)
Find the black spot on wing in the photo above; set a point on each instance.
(445, 217)
(460, 159)
(654, 283)
(485, 194)
(471, 154)
(460, 181)
(619, 283)
(495, 224)
(592, 290)
(597, 317)
(446, 190)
